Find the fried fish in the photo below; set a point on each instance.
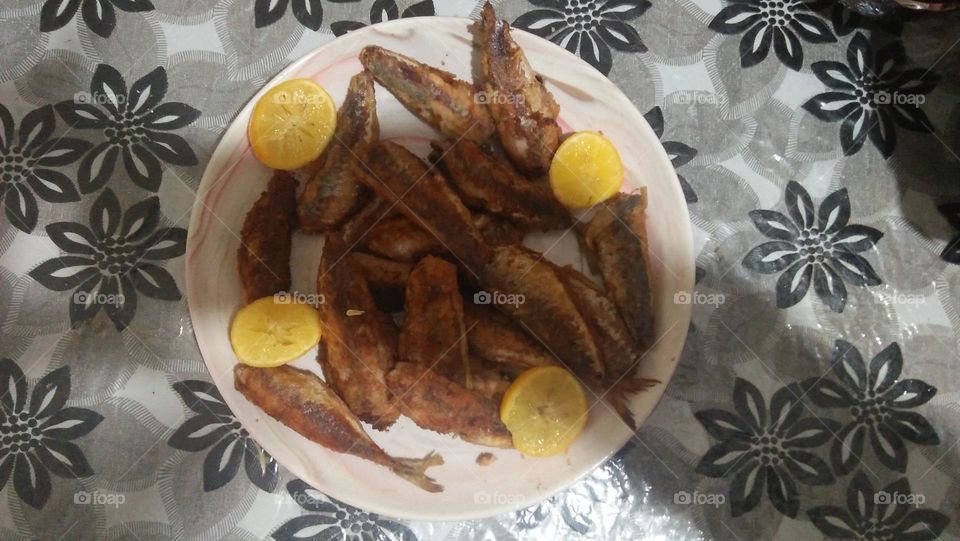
(400, 239)
(495, 337)
(302, 401)
(524, 111)
(386, 279)
(435, 96)
(359, 341)
(490, 185)
(333, 192)
(263, 258)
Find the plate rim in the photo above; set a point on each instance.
(222, 153)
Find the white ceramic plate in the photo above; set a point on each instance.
(234, 179)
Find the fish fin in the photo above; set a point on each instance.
(414, 470)
(619, 396)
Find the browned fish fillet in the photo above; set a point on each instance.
(301, 400)
(493, 186)
(436, 403)
(424, 196)
(488, 381)
(523, 109)
(433, 333)
(359, 341)
(547, 311)
(617, 346)
(495, 337)
(359, 225)
(449, 105)
(399, 239)
(263, 258)
(496, 231)
(616, 241)
(386, 279)
(333, 192)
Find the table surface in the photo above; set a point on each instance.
(818, 394)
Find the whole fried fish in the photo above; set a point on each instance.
(333, 192)
(493, 186)
(524, 111)
(399, 239)
(263, 258)
(359, 341)
(543, 306)
(616, 243)
(386, 279)
(437, 97)
(436, 403)
(423, 196)
(433, 332)
(302, 401)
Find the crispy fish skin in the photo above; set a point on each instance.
(399, 239)
(496, 231)
(524, 111)
(547, 311)
(424, 197)
(355, 229)
(617, 346)
(263, 258)
(356, 350)
(386, 279)
(437, 97)
(333, 192)
(302, 401)
(616, 243)
(495, 337)
(433, 332)
(493, 186)
(435, 403)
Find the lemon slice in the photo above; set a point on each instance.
(268, 332)
(585, 170)
(545, 410)
(291, 124)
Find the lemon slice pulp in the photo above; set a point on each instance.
(268, 333)
(545, 410)
(292, 124)
(585, 170)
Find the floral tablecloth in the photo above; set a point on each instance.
(819, 391)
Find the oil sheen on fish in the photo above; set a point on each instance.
(333, 192)
(446, 103)
(302, 401)
(263, 258)
(524, 111)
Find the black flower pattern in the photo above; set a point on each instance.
(782, 23)
(309, 13)
(879, 407)
(331, 519)
(35, 435)
(215, 425)
(877, 515)
(951, 253)
(819, 247)
(384, 10)
(27, 160)
(588, 28)
(99, 15)
(765, 447)
(680, 154)
(109, 263)
(135, 124)
(872, 94)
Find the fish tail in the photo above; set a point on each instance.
(619, 397)
(414, 470)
